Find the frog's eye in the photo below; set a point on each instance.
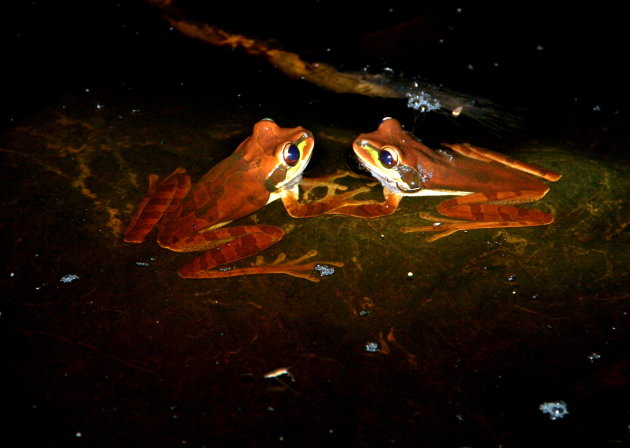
(291, 154)
(387, 158)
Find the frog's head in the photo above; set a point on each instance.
(281, 154)
(389, 155)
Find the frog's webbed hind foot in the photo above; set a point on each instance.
(446, 227)
(443, 229)
(436, 219)
(313, 271)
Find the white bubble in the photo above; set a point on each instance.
(594, 357)
(69, 278)
(324, 270)
(422, 101)
(555, 409)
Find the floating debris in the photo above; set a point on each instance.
(69, 278)
(386, 84)
(555, 409)
(324, 270)
(280, 372)
(142, 263)
(594, 357)
(423, 102)
(372, 347)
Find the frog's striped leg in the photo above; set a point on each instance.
(227, 245)
(370, 208)
(486, 155)
(162, 197)
(485, 211)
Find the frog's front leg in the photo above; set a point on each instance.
(370, 208)
(326, 205)
(329, 181)
(333, 188)
(230, 244)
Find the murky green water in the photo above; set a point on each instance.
(488, 326)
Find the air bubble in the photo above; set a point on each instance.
(555, 409)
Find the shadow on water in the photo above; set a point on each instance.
(452, 343)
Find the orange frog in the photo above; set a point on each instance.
(487, 184)
(267, 166)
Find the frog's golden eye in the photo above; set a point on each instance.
(388, 158)
(291, 154)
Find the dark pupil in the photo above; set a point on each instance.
(386, 158)
(291, 155)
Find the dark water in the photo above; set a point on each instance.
(452, 343)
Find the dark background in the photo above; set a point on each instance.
(550, 63)
(136, 356)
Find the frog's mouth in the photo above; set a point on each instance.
(403, 181)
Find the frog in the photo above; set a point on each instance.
(267, 166)
(487, 185)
